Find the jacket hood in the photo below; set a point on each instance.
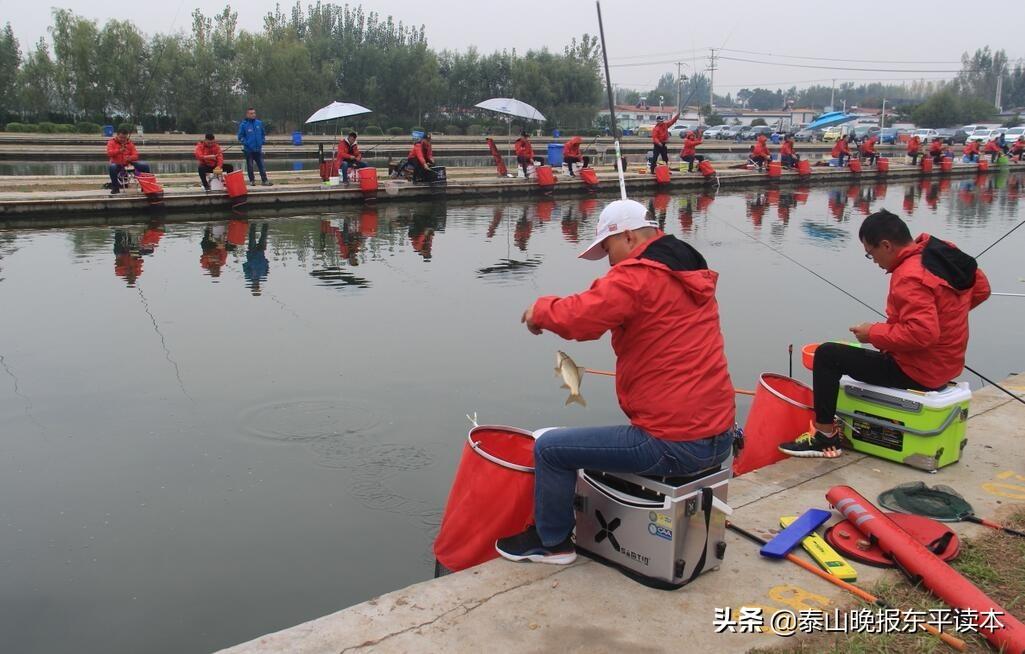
(681, 260)
(943, 260)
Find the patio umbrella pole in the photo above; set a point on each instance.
(612, 106)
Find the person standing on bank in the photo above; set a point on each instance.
(124, 158)
(658, 300)
(252, 138)
(659, 141)
(921, 346)
(349, 156)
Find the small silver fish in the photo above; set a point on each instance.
(571, 374)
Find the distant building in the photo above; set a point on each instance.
(631, 117)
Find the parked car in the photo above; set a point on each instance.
(644, 130)
(753, 132)
(887, 135)
(1012, 134)
(953, 134)
(983, 135)
(808, 135)
(680, 129)
(730, 131)
(832, 133)
(862, 132)
(925, 135)
(715, 132)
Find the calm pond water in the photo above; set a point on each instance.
(213, 431)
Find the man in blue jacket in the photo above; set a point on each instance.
(251, 136)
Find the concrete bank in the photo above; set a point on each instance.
(19, 208)
(587, 607)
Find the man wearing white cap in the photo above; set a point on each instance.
(658, 300)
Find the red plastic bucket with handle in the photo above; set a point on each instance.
(492, 496)
(368, 179)
(926, 165)
(545, 176)
(983, 166)
(781, 411)
(705, 168)
(882, 165)
(854, 165)
(946, 165)
(662, 174)
(235, 184)
(804, 168)
(589, 177)
(775, 169)
(148, 183)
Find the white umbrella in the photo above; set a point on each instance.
(337, 110)
(512, 107)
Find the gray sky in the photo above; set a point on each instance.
(639, 34)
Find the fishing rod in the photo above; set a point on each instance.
(609, 373)
(612, 106)
(860, 301)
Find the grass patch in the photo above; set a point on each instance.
(995, 562)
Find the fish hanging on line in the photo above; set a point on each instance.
(571, 374)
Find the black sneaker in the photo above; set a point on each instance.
(115, 191)
(528, 547)
(814, 444)
(266, 183)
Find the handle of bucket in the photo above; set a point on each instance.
(903, 428)
(494, 459)
(623, 499)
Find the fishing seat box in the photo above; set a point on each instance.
(925, 430)
(662, 532)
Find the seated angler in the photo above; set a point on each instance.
(691, 141)
(921, 346)
(525, 153)
(421, 159)
(787, 156)
(867, 150)
(571, 154)
(970, 151)
(210, 158)
(914, 149)
(760, 155)
(937, 150)
(349, 156)
(841, 150)
(123, 158)
(993, 149)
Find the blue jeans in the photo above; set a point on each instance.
(344, 168)
(257, 156)
(559, 453)
(116, 171)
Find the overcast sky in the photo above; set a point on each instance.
(646, 38)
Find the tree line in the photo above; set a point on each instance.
(302, 59)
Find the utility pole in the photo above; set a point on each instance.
(832, 95)
(1000, 84)
(679, 84)
(882, 117)
(711, 81)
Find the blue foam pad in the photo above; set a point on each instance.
(791, 537)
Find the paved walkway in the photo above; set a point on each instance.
(586, 607)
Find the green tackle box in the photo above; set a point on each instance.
(925, 430)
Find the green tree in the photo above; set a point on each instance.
(37, 83)
(78, 67)
(10, 59)
(949, 108)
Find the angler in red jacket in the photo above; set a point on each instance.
(787, 156)
(525, 153)
(760, 155)
(658, 300)
(841, 150)
(421, 159)
(659, 141)
(571, 154)
(922, 344)
(124, 159)
(867, 149)
(970, 151)
(994, 150)
(937, 151)
(914, 148)
(1018, 148)
(691, 141)
(349, 156)
(210, 158)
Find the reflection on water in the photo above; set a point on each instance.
(283, 422)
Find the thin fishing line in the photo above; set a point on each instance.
(859, 301)
(17, 391)
(1000, 239)
(163, 343)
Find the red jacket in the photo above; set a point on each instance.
(993, 146)
(971, 147)
(840, 147)
(914, 143)
(936, 147)
(671, 375)
(761, 150)
(1018, 146)
(787, 149)
(660, 133)
(869, 146)
(348, 152)
(690, 144)
(417, 152)
(523, 148)
(119, 154)
(926, 328)
(202, 150)
(572, 147)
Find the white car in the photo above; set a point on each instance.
(984, 135)
(925, 135)
(715, 132)
(680, 129)
(1014, 133)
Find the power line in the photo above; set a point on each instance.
(643, 63)
(659, 54)
(860, 61)
(868, 70)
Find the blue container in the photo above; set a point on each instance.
(108, 130)
(297, 138)
(555, 133)
(555, 154)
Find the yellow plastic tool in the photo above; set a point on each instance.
(823, 554)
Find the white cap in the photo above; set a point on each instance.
(616, 217)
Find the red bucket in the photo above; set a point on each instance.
(781, 411)
(545, 176)
(926, 165)
(775, 169)
(662, 174)
(589, 177)
(148, 183)
(368, 179)
(328, 169)
(882, 165)
(854, 165)
(705, 168)
(235, 184)
(983, 166)
(946, 165)
(492, 496)
(804, 167)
